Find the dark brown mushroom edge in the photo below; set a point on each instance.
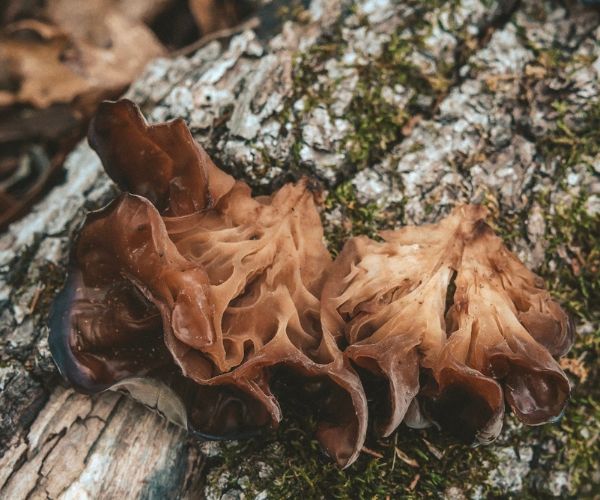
(188, 292)
(451, 324)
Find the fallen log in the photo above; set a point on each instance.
(400, 109)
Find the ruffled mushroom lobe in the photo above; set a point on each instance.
(102, 329)
(102, 334)
(494, 292)
(160, 162)
(260, 263)
(106, 334)
(465, 352)
(235, 281)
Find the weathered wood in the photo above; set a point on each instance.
(101, 447)
(476, 119)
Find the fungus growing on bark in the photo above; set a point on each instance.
(230, 284)
(464, 352)
(188, 292)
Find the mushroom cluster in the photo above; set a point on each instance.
(193, 295)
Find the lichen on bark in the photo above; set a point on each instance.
(402, 110)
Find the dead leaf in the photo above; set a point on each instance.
(56, 63)
(576, 367)
(413, 483)
(405, 458)
(23, 178)
(437, 453)
(60, 58)
(11, 10)
(373, 453)
(410, 124)
(579, 261)
(493, 82)
(48, 65)
(141, 10)
(534, 71)
(33, 53)
(36, 297)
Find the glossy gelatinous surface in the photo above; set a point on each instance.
(230, 284)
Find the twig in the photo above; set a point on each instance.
(373, 453)
(433, 450)
(405, 458)
(414, 482)
(35, 299)
(249, 24)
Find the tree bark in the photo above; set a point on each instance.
(272, 109)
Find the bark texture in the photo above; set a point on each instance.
(401, 110)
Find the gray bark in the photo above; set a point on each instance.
(475, 140)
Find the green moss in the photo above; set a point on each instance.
(351, 217)
(376, 124)
(297, 469)
(292, 10)
(572, 272)
(575, 139)
(573, 265)
(572, 445)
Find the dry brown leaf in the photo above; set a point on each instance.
(437, 453)
(77, 58)
(405, 458)
(371, 452)
(534, 71)
(56, 64)
(410, 124)
(576, 367)
(142, 10)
